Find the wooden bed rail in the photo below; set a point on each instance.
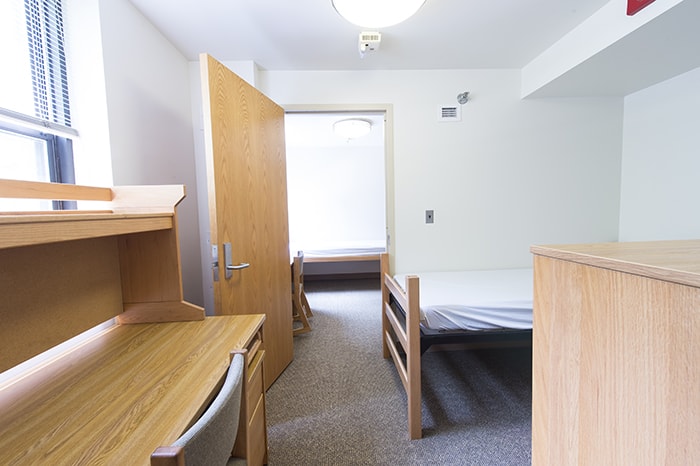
(408, 337)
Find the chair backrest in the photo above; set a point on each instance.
(210, 440)
(300, 255)
(298, 272)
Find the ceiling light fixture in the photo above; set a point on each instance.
(352, 128)
(376, 13)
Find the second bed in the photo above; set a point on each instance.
(491, 307)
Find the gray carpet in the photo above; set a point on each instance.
(340, 403)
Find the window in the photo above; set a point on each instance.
(35, 126)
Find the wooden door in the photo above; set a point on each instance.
(247, 185)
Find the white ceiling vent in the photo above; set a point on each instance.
(450, 113)
(369, 42)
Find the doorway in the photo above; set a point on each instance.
(336, 185)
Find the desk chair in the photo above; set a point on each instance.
(301, 311)
(210, 440)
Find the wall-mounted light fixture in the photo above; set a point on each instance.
(376, 13)
(352, 128)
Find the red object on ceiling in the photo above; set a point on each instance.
(634, 6)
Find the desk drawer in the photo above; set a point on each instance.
(254, 385)
(251, 442)
(253, 348)
(257, 435)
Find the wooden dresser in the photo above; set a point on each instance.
(616, 354)
(152, 361)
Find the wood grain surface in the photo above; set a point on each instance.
(247, 185)
(121, 395)
(616, 354)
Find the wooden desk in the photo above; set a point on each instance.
(616, 354)
(121, 395)
(138, 384)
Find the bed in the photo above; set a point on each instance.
(474, 308)
(340, 259)
(345, 251)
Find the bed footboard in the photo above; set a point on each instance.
(398, 339)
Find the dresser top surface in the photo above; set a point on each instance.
(675, 261)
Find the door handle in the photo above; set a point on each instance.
(242, 265)
(228, 264)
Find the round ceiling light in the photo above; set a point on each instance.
(376, 13)
(352, 128)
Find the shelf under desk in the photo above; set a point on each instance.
(120, 395)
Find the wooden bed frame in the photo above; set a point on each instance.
(346, 262)
(404, 340)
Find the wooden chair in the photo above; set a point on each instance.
(210, 440)
(301, 311)
(302, 294)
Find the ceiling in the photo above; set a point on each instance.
(310, 35)
(315, 129)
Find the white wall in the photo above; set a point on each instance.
(512, 173)
(91, 151)
(150, 120)
(661, 161)
(336, 198)
(579, 64)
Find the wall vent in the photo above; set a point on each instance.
(450, 113)
(370, 37)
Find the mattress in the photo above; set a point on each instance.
(339, 252)
(339, 249)
(475, 300)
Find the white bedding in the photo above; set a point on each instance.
(342, 252)
(339, 248)
(475, 300)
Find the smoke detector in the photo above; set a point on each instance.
(369, 42)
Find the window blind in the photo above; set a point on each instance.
(36, 137)
(47, 58)
(34, 86)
